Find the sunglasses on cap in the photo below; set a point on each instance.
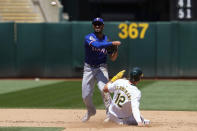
(97, 23)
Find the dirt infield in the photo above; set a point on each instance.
(71, 120)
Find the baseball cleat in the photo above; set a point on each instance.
(120, 123)
(107, 120)
(87, 116)
(146, 122)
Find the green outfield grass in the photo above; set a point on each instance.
(170, 95)
(156, 94)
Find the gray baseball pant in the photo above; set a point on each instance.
(90, 77)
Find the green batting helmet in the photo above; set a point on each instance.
(136, 74)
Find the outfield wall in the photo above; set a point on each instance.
(161, 49)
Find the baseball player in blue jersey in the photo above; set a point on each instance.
(95, 67)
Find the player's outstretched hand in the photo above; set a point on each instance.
(144, 123)
(140, 124)
(116, 42)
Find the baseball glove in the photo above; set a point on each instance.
(111, 49)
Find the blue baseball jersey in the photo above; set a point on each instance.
(95, 52)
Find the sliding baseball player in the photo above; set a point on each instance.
(124, 108)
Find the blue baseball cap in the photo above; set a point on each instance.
(98, 20)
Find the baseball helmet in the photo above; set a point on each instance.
(97, 20)
(136, 74)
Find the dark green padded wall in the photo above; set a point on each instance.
(79, 31)
(168, 49)
(58, 50)
(7, 50)
(142, 52)
(30, 50)
(188, 49)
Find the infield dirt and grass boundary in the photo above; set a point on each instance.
(58, 103)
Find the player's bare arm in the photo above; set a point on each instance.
(113, 56)
(116, 43)
(105, 89)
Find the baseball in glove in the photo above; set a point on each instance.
(111, 49)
